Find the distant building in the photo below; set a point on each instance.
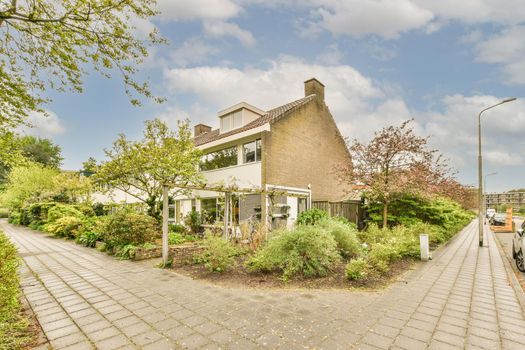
(515, 200)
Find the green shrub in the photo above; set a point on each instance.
(127, 227)
(126, 252)
(307, 251)
(40, 210)
(218, 254)
(412, 210)
(381, 256)
(14, 218)
(67, 226)
(345, 236)
(194, 221)
(102, 247)
(63, 210)
(356, 269)
(176, 228)
(311, 216)
(14, 328)
(175, 238)
(88, 238)
(25, 216)
(344, 220)
(85, 209)
(100, 209)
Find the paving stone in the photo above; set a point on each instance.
(146, 338)
(194, 341)
(61, 332)
(453, 301)
(104, 333)
(68, 340)
(136, 329)
(115, 342)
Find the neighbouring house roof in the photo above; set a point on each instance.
(269, 117)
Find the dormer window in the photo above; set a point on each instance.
(231, 121)
(237, 116)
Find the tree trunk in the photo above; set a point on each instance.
(385, 215)
(153, 209)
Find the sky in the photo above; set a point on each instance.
(382, 61)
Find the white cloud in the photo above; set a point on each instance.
(331, 56)
(197, 9)
(503, 158)
(454, 131)
(359, 18)
(219, 29)
(506, 12)
(192, 51)
(508, 49)
(43, 125)
(280, 83)
(390, 18)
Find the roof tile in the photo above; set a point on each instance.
(269, 117)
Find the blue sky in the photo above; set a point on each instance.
(382, 61)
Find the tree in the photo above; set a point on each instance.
(29, 183)
(140, 168)
(394, 163)
(41, 150)
(48, 44)
(73, 187)
(89, 167)
(10, 154)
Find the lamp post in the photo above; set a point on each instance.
(485, 195)
(480, 171)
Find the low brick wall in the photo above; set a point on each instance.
(181, 254)
(149, 253)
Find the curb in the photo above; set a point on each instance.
(511, 274)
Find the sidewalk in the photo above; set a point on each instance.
(85, 299)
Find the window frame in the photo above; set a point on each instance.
(257, 151)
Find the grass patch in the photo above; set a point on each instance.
(14, 326)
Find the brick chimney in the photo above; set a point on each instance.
(314, 86)
(200, 129)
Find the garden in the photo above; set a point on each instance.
(324, 252)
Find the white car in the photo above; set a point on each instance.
(518, 248)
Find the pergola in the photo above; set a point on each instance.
(269, 190)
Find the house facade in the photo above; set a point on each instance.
(287, 155)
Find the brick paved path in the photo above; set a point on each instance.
(85, 299)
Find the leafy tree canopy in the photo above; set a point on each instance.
(394, 163)
(49, 44)
(140, 168)
(41, 150)
(29, 183)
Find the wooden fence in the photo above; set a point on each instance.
(349, 210)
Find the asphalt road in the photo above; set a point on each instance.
(505, 238)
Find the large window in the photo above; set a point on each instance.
(212, 210)
(219, 159)
(252, 151)
(231, 121)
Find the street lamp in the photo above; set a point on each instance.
(485, 189)
(480, 171)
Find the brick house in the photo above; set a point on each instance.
(293, 148)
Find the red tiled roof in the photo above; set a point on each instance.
(269, 117)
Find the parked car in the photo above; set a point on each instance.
(518, 248)
(490, 213)
(499, 219)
